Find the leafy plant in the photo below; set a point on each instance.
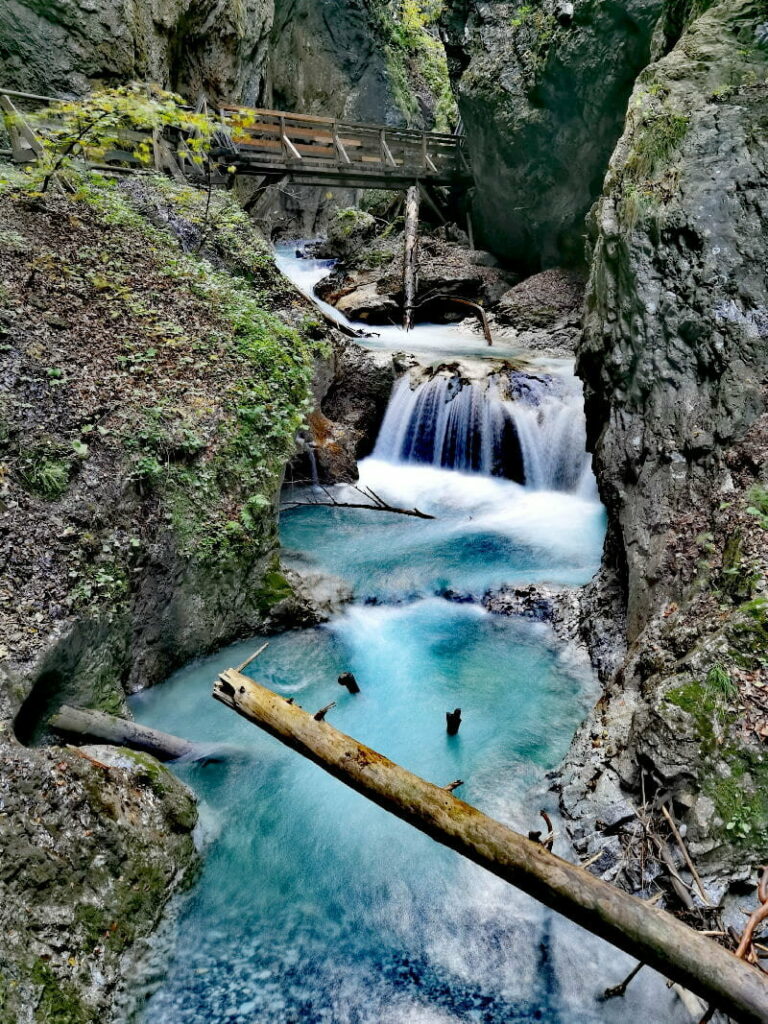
(758, 498)
(95, 126)
(45, 471)
(147, 473)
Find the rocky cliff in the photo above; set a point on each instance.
(675, 363)
(149, 400)
(215, 46)
(542, 88)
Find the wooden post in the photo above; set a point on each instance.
(288, 147)
(341, 152)
(645, 932)
(25, 144)
(411, 255)
(386, 153)
(103, 728)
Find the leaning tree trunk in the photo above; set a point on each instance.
(411, 256)
(646, 932)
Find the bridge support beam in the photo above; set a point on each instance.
(411, 256)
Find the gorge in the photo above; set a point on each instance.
(591, 590)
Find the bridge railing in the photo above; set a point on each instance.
(279, 137)
(258, 141)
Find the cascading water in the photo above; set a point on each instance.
(315, 906)
(514, 425)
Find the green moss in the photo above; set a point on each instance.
(59, 1002)
(707, 703)
(413, 52)
(180, 807)
(748, 635)
(741, 798)
(535, 30)
(700, 705)
(274, 589)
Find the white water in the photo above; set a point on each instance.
(317, 907)
(538, 438)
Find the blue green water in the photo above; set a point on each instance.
(313, 905)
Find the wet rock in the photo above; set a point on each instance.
(370, 287)
(315, 598)
(352, 391)
(550, 301)
(212, 46)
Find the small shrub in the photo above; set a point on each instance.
(655, 141)
(45, 472)
(758, 498)
(720, 684)
(147, 473)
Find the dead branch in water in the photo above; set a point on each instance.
(646, 932)
(374, 503)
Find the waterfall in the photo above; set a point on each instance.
(510, 424)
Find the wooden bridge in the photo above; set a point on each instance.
(301, 148)
(275, 146)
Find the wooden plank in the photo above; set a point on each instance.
(292, 116)
(276, 145)
(651, 935)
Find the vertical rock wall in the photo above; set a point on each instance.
(217, 46)
(543, 95)
(675, 355)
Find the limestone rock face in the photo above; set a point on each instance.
(543, 101)
(215, 46)
(93, 844)
(675, 363)
(676, 336)
(325, 59)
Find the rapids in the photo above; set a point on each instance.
(313, 904)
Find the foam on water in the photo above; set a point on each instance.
(314, 905)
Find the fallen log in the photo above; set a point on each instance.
(645, 932)
(98, 726)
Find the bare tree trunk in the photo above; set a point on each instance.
(411, 258)
(646, 932)
(103, 728)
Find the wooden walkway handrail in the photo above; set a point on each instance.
(311, 148)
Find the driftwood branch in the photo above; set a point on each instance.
(374, 503)
(645, 932)
(621, 988)
(475, 306)
(98, 726)
(253, 657)
(686, 856)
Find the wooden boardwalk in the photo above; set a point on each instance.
(306, 149)
(323, 151)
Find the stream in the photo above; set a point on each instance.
(313, 905)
